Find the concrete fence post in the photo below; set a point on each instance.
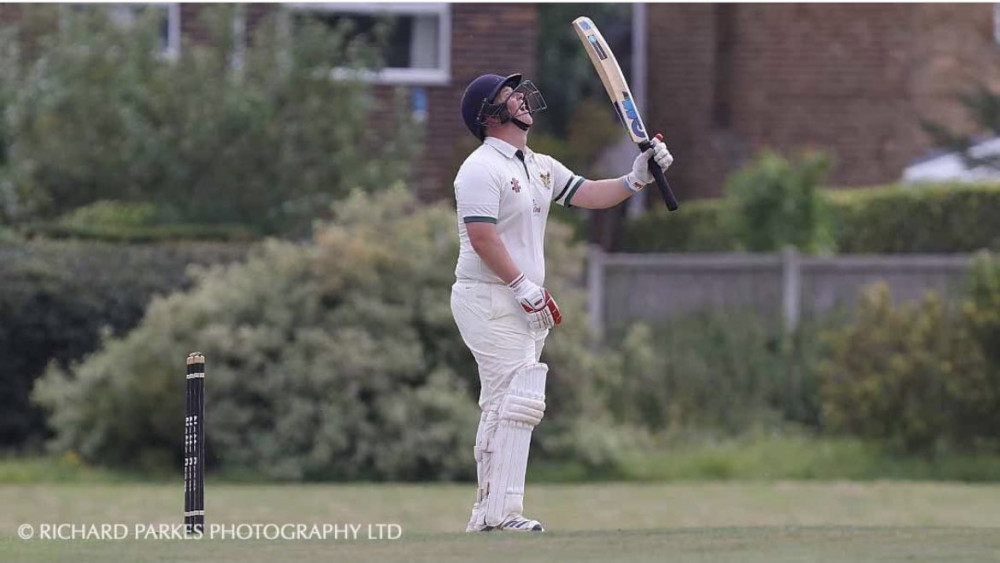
(595, 288)
(791, 287)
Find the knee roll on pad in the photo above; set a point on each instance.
(525, 400)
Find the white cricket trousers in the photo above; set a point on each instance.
(496, 331)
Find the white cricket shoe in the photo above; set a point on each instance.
(520, 524)
(477, 523)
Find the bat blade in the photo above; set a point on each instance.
(610, 73)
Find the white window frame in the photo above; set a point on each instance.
(996, 23)
(172, 50)
(403, 76)
(238, 56)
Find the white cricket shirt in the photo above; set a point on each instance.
(494, 185)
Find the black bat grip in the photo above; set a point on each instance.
(661, 181)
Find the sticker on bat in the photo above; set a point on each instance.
(632, 116)
(597, 47)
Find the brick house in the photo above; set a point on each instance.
(440, 49)
(854, 80)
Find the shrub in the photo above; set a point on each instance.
(333, 359)
(775, 202)
(910, 376)
(981, 314)
(982, 307)
(713, 371)
(56, 298)
(91, 114)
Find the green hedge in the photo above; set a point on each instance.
(941, 218)
(56, 298)
(123, 221)
(696, 227)
(885, 219)
(143, 233)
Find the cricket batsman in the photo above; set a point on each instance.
(503, 311)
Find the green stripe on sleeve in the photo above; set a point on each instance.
(566, 187)
(478, 219)
(572, 192)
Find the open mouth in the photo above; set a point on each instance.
(522, 108)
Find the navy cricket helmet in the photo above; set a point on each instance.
(479, 95)
(477, 102)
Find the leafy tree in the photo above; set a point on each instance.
(774, 202)
(566, 76)
(267, 139)
(982, 106)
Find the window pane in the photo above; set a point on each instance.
(411, 41)
(127, 14)
(425, 43)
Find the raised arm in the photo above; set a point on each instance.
(601, 194)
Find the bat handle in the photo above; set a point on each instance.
(661, 181)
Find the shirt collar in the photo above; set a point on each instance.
(505, 148)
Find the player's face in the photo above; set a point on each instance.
(516, 104)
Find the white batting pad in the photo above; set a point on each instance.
(521, 410)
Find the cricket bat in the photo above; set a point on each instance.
(614, 82)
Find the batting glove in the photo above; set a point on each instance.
(640, 174)
(537, 302)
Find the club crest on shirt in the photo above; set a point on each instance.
(546, 180)
(515, 185)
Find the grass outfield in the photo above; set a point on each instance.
(710, 522)
(695, 458)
